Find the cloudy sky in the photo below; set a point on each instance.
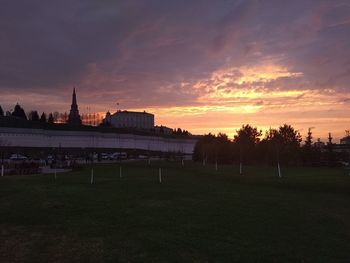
(206, 66)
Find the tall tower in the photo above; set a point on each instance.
(74, 117)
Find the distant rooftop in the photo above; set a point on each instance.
(132, 112)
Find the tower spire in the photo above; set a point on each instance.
(74, 117)
(74, 97)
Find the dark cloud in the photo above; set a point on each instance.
(151, 53)
(45, 43)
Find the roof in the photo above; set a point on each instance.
(132, 112)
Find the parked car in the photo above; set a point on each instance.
(105, 156)
(119, 156)
(18, 157)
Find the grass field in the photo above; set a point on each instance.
(195, 215)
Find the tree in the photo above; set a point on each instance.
(308, 141)
(203, 150)
(179, 131)
(317, 147)
(331, 158)
(56, 116)
(43, 117)
(274, 142)
(19, 112)
(281, 146)
(33, 115)
(50, 120)
(290, 144)
(223, 149)
(246, 140)
(1, 112)
(65, 117)
(307, 149)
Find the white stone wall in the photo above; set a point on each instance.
(17, 137)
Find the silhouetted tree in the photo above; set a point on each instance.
(318, 147)
(65, 117)
(308, 149)
(56, 116)
(51, 119)
(281, 145)
(308, 141)
(246, 140)
(290, 148)
(33, 116)
(331, 156)
(43, 117)
(223, 149)
(179, 131)
(273, 142)
(19, 112)
(204, 149)
(1, 112)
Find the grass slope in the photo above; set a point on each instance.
(195, 215)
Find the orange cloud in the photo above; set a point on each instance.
(223, 105)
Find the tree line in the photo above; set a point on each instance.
(276, 146)
(33, 115)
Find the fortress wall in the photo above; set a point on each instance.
(18, 137)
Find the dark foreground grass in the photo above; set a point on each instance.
(195, 215)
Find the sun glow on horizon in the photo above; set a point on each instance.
(238, 96)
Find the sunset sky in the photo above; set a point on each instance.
(205, 66)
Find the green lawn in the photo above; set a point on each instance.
(195, 215)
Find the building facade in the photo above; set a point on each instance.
(131, 119)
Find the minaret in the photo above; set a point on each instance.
(74, 117)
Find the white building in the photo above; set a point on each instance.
(131, 119)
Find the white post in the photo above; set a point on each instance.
(92, 176)
(240, 168)
(216, 166)
(120, 171)
(149, 161)
(160, 175)
(279, 170)
(183, 162)
(2, 170)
